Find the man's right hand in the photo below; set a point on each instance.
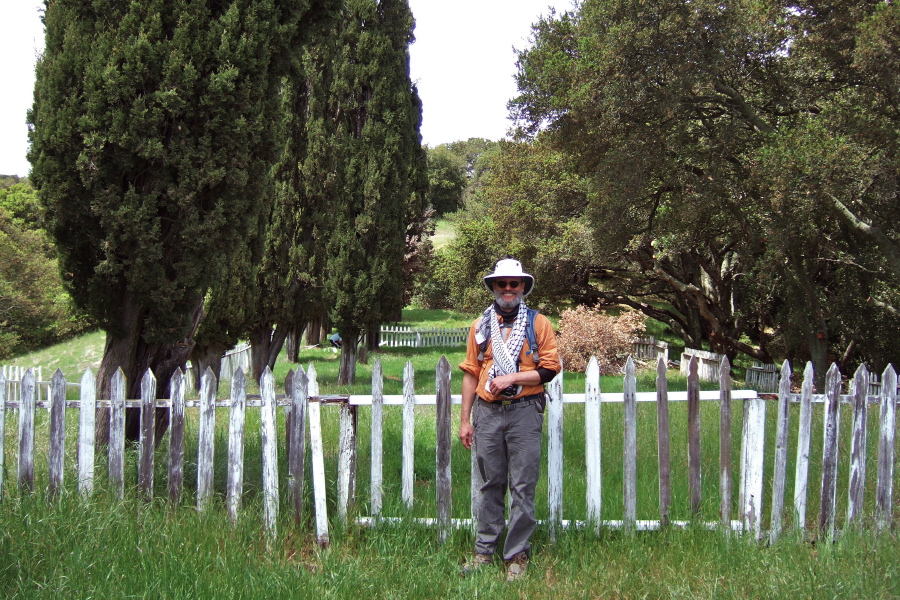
(465, 435)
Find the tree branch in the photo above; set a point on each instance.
(744, 108)
(887, 246)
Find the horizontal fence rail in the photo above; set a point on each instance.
(302, 406)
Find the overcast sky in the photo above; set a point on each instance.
(462, 61)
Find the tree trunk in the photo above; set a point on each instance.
(293, 343)
(818, 353)
(126, 348)
(314, 331)
(265, 344)
(347, 373)
(210, 356)
(373, 338)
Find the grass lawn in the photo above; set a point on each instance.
(103, 548)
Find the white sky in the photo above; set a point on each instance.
(462, 61)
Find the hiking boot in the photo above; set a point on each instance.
(515, 567)
(475, 562)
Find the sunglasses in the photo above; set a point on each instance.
(502, 283)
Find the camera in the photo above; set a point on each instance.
(510, 392)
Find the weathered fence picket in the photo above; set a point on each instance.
(409, 434)
(593, 433)
(298, 391)
(26, 432)
(57, 433)
(752, 458)
(376, 489)
(781, 449)
(206, 438)
(316, 447)
(858, 445)
(885, 483)
(629, 448)
(444, 436)
(147, 441)
(117, 434)
(2, 429)
(302, 398)
(86, 431)
(801, 475)
(234, 486)
(694, 474)
(663, 442)
(724, 445)
(830, 452)
(554, 416)
(176, 437)
(269, 452)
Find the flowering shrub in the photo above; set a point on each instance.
(586, 332)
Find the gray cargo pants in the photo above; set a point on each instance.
(507, 452)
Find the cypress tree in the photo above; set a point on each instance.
(154, 128)
(376, 120)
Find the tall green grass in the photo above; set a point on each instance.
(104, 548)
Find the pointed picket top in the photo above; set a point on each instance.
(661, 366)
(209, 378)
(88, 377)
(809, 373)
(861, 379)
(28, 378)
(693, 366)
(58, 378)
(117, 381)
(629, 367)
(300, 378)
(724, 369)
(592, 373)
(444, 363)
(177, 379)
(266, 376)
(148, 379)
(785, 384)
(833, 377)
(238, 379)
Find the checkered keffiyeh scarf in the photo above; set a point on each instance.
(505, 353)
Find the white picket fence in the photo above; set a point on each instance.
(650, 348)
(709, 363)
(763, 377)
(398, 337)
(302, 403)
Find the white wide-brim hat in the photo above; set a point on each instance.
(509, 267)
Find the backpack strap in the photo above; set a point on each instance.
(532, 336)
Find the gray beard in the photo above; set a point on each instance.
(507, 304)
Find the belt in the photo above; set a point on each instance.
(515, 401)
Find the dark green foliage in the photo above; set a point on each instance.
(446, 180)
(373, 116)
(34, 309)
(739, 164)
(151, 144)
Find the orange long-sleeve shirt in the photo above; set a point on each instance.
(547, 350)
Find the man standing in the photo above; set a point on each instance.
(510, 354)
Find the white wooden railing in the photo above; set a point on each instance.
(303, 403)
